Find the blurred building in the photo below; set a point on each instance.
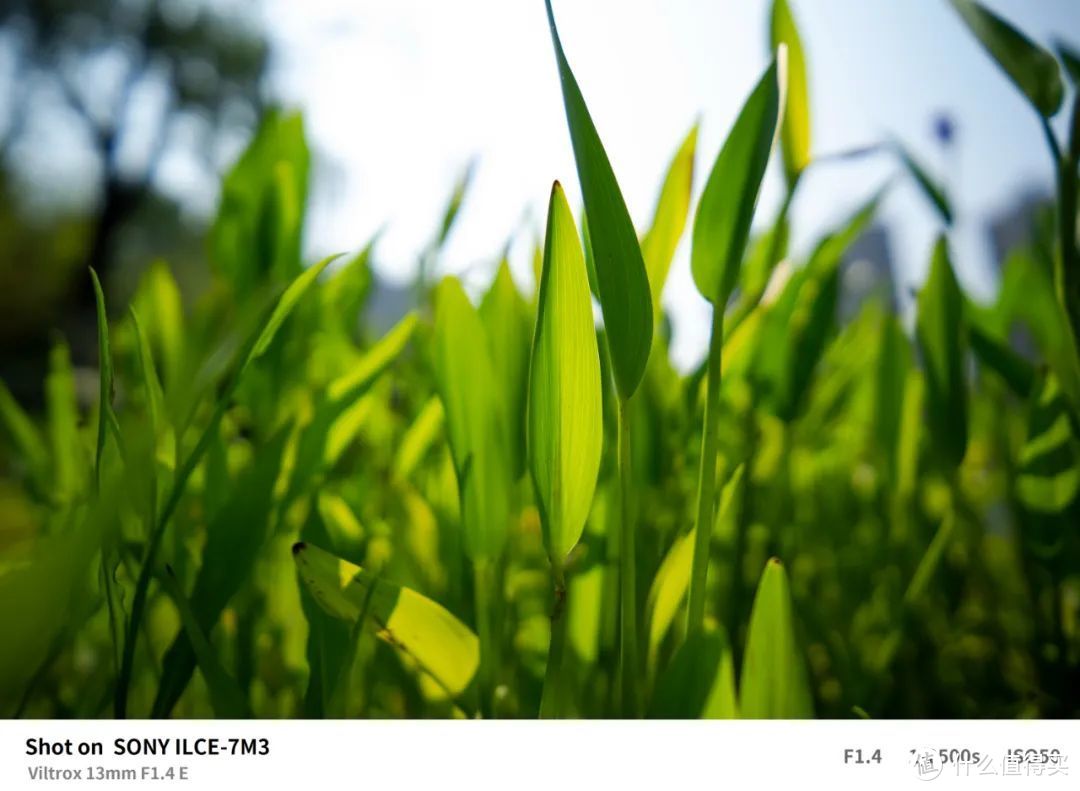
(867, 273)
(388, 303)
(1015, 225)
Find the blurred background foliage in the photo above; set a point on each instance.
(920, 484)
(111, 91)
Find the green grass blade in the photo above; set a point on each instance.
(699, 681)
(258, 343)
(564, 414)
(795, 130)
(1049, 479)
(773, 683)
(994, 353)
(622, 281)
(933, 191)
(726, 209)
(1070, 58)
(667, 593)
(226, 698)
(235, 536)
(38, 597)
(508, 321)
(669, 220)
(1031, 68)
(465, 376)
(27, 442)
(331, 415)
(941, 333)
(66, 448)
(105, 378)
(411, 623)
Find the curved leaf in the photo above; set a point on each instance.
(507, 318)
(659, 243)
(411, 623)
(620, 269)
(773, 684)
(699, 682)
(474, 419)
(934, 192)
(726, 209)
(565, 421)
(940, 331)
(226, 697)
(1031, 68)
(795, 128)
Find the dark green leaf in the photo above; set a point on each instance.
(726, 209)
(622, 282)
(933, 191)
(941, 332)
(1031, 68)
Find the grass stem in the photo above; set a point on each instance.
(484, 584)
(628, 632)
(706, 496)
(553, 676)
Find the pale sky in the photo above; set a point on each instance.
(399, 94)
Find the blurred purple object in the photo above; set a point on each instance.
(944, 129)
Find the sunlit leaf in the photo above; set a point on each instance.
(672, 208)
(622, 282)
(564, 417)
(795, 131)
(699, 681)
(158, 302)
(507, 318)
(411, 623)
(773, 683)
(419, 438)
(256, 234)
(668, 592)
(474, 419)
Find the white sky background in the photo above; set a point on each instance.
(399, 94)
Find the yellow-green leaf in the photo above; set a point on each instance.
(507, 318)
(773, 683)
(565, 423)
(474, 419)
(669, 220)
(413, 624)
(795, 131)
(699, 682)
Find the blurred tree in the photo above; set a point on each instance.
(98, 96)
